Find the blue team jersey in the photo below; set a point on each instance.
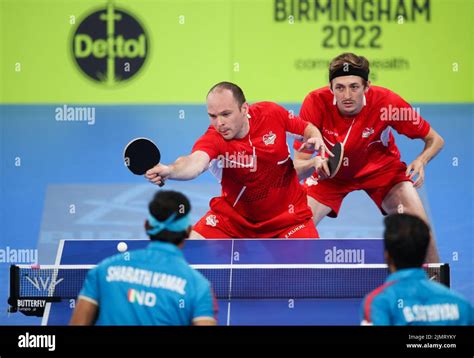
(154, 286)
(408, 297)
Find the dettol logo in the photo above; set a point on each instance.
(110, 45)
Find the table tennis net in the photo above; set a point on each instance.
(53, 283)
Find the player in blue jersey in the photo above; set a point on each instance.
(408, 297)
(153, 286)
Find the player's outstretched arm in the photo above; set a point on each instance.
(184, 168)
(433, 145)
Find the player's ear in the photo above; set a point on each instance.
(245, 108)
(330, 87)
(367, 85)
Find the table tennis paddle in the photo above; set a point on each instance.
(334, 163)
(140, 155)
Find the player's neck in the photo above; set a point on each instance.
(245, 129)
(349, 115)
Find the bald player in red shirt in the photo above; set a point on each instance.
(361, 117)
(245, 147)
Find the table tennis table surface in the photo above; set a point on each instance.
(288, 311)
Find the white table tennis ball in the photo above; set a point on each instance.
(122, 246)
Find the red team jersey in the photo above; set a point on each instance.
(261, 193)
(369, 145)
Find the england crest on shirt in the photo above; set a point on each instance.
(269, 138)
(367, 132)
(310, 181)
(211, 220)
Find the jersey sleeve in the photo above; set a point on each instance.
(310, 112)
(289, 121)
(404, 118)
(293, 124)
(209, 143)
(205, 305)
(90, 289)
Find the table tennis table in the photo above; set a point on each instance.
(287, 311)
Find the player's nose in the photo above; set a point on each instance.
(220, 122)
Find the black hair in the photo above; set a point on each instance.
(406, 240)
(236, 91)
(164, 204)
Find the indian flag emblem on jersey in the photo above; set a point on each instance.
(142, 298)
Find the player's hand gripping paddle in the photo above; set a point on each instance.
(334, 163)
(140, 155)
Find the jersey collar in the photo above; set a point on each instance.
(411, 273)
(166, 247)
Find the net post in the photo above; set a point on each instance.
(14, 288)
(445, 277)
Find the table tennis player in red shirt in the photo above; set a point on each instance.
(245, 147)
(361, 117)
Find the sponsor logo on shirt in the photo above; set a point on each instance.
(211, 220)
(330, 132)
(367, 132)
(292, 231)
(269, 138)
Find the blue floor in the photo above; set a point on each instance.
(72, 183)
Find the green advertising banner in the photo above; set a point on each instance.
(174, 51)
